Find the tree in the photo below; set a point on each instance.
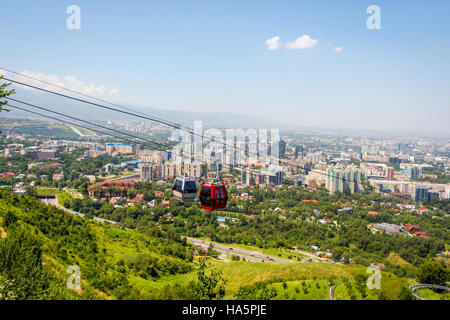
(9, 219)
(31, 192)
(405, 293)
(433, 273)
(210, 286)
(21, 267)
(360, 284)
(4, 93)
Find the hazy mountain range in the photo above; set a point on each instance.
(95, 113)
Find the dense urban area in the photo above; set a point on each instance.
(305, 227)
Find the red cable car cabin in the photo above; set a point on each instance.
(213, 196)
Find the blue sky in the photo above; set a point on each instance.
(212, 55)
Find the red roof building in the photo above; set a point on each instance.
(106, 184)
(409, 227)
(6, 174)
(421, 234)
(57, 164)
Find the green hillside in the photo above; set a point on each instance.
(39, 242)
(107, 256)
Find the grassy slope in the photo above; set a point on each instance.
(395, 259)
(114, 244)
(429, 294)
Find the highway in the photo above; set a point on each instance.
(415, 287)
(55, 202)
(249, 255)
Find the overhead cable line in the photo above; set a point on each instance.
(188, 130)
(71, 123)
(91, 123)
(165, 122)
(78, 93)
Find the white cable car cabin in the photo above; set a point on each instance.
(184, 189)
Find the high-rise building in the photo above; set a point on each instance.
(282, 150)
(244, 176)
(314, 157)
(413, 172)
(432, 194)
(389, 173)
(279, 175)
(298, 150)
(299, 180)
(395, 160)
(421, 193)
(120, 148)
(341, 178)
(42, 154)
(146, 172)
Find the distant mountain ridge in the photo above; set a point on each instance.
(186, 118)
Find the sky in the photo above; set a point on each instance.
(305, 63)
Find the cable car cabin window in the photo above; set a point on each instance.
(205, 196)
(178, 185)
(190, 187)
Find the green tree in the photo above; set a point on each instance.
(405, 293)
(9, 219)
(433, 273)
(360, 284)
(4, 93)
(209, 287)
(21, 267)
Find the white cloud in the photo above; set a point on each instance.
(273, 43)
(303, 42)
(68, 82)
(338, 49)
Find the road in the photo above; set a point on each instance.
(127, 178)
(55, 202)
(313, 257)
(415, 287)
(249, 255)
(332, 290)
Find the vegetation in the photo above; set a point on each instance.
(4, 93)
(147, 258)
(433, 273)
